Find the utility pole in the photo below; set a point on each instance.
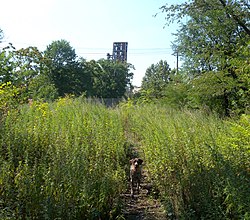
(177, 62)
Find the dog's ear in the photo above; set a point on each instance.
(131, 161)
(140, 161)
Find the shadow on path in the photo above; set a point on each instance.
(143, 206)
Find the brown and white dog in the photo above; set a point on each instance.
(135, 174)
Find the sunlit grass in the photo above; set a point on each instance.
(67, 160)
(189, 157)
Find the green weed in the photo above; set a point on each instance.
(199, 162)
(62, 160)
(68, 160)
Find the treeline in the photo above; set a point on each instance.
(46, 75)
(213, 42)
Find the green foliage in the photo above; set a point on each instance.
(67, 160)
(7, 64)
(57, 72)
(42, 88)
(28, 64)
(222, 92)
(241, 99)
(236, 151)
(111, 79)
(161, 85)
(208, 38)
(190, 158)
(177, 92)
(102, 79)
(26, 69)
(61, 53)
(9, 98)
(65, 71)
(213, 41)
(212, 90)
(156, 78)
(63, 160)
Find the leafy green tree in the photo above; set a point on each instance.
(27, 71)
(210, 36)
(9, 98)
(86, 76)
(176, 93)
(209, 42)
(28, 64)
(65, 71)
(110, 79)
(156, 79)
(61, 53)
(241, 63)
(32, 74)
(7, 64)
(42, 88)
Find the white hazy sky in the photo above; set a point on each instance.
(91, 27)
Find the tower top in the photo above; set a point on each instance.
(120, 51)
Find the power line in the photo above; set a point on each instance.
(129, 53)
(131, 49)
(93, 48)
(103, 51)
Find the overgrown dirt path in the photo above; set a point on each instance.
(144, 206)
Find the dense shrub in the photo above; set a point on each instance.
(199, 163)
(61, 161)
(66, 160)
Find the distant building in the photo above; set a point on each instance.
(120, 51)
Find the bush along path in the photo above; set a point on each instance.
(199, 162)
(145, 205)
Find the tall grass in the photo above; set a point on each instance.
(199, 163)
(61, 161)
(67, 160)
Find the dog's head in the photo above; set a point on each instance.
(136, 162)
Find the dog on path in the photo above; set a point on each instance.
(135, 174)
